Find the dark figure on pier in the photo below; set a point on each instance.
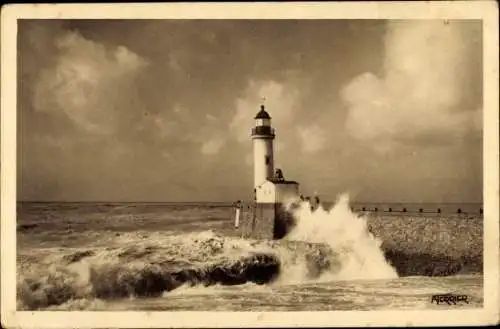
(238, 204)
(316, 203)
(278, 175)
(308, 199)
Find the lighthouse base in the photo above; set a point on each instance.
(264, 221)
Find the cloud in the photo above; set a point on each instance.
(87, 82)
(421, 95)
(210, 117)
(212, 146)
(312, 138)
(163, 125)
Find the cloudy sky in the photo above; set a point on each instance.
(160, 110)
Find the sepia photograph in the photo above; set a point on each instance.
(233, 164)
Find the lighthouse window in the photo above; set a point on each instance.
(268, 159)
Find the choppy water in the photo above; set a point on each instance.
(188, 257)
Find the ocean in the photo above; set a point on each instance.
(188, 256)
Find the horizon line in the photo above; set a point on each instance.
(225, 202)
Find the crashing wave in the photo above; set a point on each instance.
(148, 269)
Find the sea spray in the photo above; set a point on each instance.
(346, 233)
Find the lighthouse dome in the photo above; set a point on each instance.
(262, 114)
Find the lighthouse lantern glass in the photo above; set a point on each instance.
(262, 122)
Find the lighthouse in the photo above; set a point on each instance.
(263, 137)
(265, 217)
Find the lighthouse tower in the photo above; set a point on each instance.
(263, 136)
(266, 217)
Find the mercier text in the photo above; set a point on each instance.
(449, 299)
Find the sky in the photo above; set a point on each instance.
(161, 110)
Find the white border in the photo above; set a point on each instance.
(486, 10)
